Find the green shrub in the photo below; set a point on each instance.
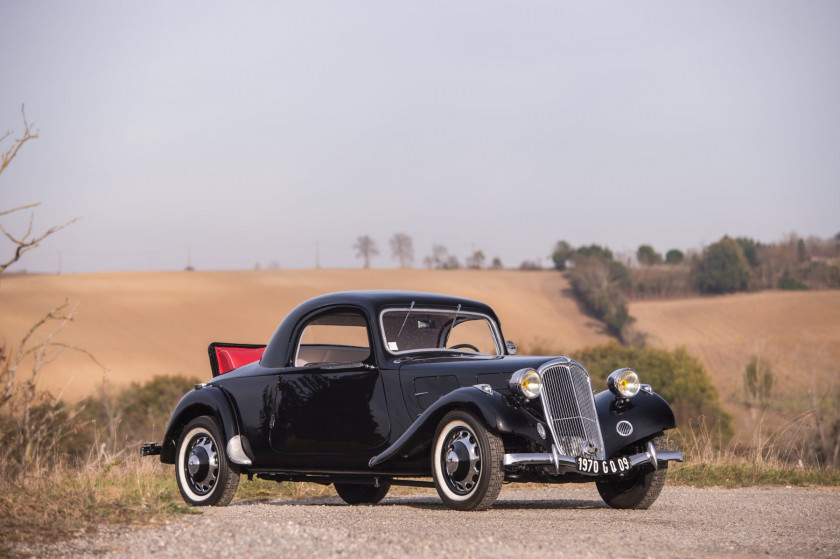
(674, 256)
(596, 251)
(723, 268)
(647, 256)
(561, 254)
(750, 249)
(792, 284)
(675, 375)
(759, 379)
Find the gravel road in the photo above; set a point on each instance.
(570, 521)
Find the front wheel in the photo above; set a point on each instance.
(467, 462)
(204, 475)
(639, 489)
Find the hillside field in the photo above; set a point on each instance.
(140, 324)
(143, 324)
(798, 332)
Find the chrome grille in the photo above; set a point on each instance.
(569, 408)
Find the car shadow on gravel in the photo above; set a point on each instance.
(431, 503)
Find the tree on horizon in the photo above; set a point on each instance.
(402, 249)
(365, 249)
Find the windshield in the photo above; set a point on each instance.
(412, 330)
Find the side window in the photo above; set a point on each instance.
(334, 337)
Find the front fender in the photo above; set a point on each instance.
(647, 412)
(496, 411)
(209, 400)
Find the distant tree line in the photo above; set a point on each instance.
(402, 250)
(603, 284)
(738, 264)
(726, 266)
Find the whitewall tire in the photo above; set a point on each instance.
(205, 476)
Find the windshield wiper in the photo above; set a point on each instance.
(454, 322)
(406, 319)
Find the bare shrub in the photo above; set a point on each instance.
(33, 422)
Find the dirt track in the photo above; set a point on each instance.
(559, 521)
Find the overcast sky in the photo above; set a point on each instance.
(252, 131)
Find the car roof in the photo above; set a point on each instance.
(378, 299)
(371, 301)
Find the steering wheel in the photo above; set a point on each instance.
(472, 347)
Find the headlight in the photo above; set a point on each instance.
(624, 383)
(527, 383)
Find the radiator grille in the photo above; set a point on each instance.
(570, 409)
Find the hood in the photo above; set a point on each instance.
(479, 364)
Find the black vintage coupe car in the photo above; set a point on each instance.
(369, 389)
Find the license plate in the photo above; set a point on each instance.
(614, 466)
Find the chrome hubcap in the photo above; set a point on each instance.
(462, 461)
(202, 464)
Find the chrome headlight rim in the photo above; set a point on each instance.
(624, 383)
(526, 383)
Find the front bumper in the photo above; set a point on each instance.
(563, 463)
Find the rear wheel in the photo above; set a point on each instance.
(467, 462)
(639, 489)
(360, 494)
(204, 475)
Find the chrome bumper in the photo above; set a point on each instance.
(563, 463)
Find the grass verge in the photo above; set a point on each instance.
(69, 501)
(742, 473)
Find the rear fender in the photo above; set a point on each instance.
(209, 400)
(647, 412)
(498, 413)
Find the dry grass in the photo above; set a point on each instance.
(738, 472)
(65, 501)
(779, 459)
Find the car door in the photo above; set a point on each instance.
(329, 408)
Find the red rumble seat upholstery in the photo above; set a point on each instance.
(231, 357)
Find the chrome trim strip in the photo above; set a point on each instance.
(535, 458)
(560, 462)
(235, 451)
(497, 337)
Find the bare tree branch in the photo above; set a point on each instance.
(20, 208)
(10, 371)
(24, 245)
(13, 150)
